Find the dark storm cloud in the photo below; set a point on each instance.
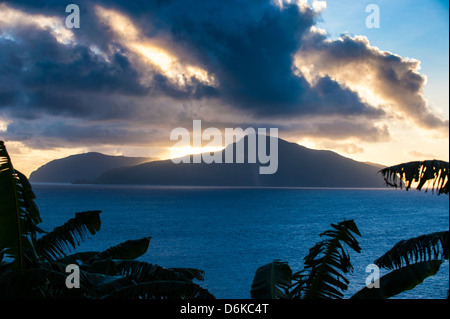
(72, 80)
(247, 46)
(42, 77)
(333, 99)
(39, 75)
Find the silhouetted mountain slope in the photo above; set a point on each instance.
(80, 167)
(298, 166)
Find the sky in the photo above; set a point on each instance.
(134, 71)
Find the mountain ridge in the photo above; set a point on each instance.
(85, 166)
(298, 166)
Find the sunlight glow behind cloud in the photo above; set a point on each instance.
(171, 66)
(177, 152)
(383, 79)
(12, 18)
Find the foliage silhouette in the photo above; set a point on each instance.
(324, 272)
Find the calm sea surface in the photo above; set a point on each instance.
(230, 232)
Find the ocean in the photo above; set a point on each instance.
(230, 232)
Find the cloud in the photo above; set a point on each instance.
(249, 50)
(343, 129)
(16, 19)
(348, 148)
(40, 76)
(381, 78)
(421, 156)
(54, 133)
(340, 130)
(135, 70)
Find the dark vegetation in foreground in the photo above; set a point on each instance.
(34, 263)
